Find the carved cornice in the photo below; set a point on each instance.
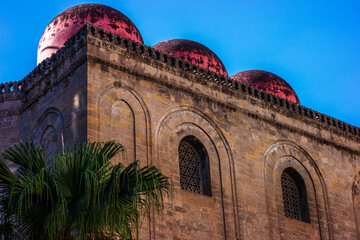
(178, 67)
(203, 97)
(226, 84)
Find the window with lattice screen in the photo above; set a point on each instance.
(194, 166)
(294, 195)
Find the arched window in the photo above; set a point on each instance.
(294, 195)
(194, 166)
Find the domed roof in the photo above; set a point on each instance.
(193, 52)
(268, 82)
(71, 20)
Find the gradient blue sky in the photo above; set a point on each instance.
(313, 45)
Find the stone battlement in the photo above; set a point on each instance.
(243, 163)
(212, 79)
(218, 81)
(10, 90)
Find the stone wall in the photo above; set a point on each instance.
(103, 87)
(47, 106)
(10, 109)
(152, 106)
(55, 116)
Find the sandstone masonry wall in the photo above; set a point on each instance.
(10, 109)
(249, 141)
(55, 114)
(47, 105)
(103, 87)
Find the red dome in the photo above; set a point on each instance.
(71, 20)
(269, 82)
(193, 52)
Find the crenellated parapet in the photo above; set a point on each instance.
(10, 110)
(10, 90)
(46, 75)
(16, 96)
(222, 83)
(242, 153)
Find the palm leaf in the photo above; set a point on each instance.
(80, 195)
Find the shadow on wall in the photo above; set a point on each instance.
(50, 132)
(356, 202)
(285, 219)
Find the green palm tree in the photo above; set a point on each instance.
(81, 195)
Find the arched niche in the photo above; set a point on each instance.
(50, 132)
(279, 157)
(123, 117)
(221, 211)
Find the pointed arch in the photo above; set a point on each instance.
(186, 121)
(123, 116)
(280, 156)
(50, 132)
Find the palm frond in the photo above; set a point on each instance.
(80, 195)
(27, 155)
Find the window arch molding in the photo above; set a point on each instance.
(283, 155)
(183, 121)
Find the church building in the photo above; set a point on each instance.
(245, 158)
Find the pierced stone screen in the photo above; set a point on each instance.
(294, 195)
(290, 197)
(190, 163)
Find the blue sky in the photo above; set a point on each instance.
(313, 45)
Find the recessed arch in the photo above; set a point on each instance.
(185, 121)
(114, 101)
(50, 132)
(280, 156)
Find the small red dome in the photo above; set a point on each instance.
(193, 52)
(71, 20)
(268, 82)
